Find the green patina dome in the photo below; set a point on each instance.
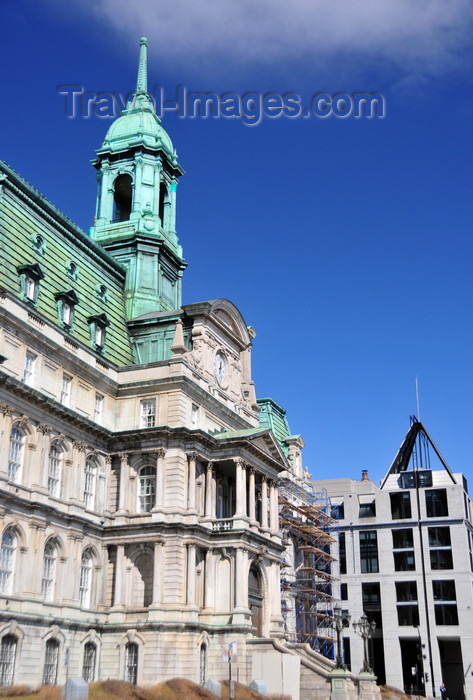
(138, 125)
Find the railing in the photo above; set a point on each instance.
(222, 524)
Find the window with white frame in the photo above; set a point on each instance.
(85, 581)
(49, 570)
(7, 561)
(98, 408)
(90, 483)
(7, 660)
(89, 661)
(131, 662)
(98, 325)
(28, 370)
(66, 390)
(15, 460)
(146, 489)
(54, 470)
(148, 413)
(30, 277)
(51, 659)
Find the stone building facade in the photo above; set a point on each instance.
(138, 490)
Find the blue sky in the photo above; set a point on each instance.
(346, 243)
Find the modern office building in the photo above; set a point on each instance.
(405, 559)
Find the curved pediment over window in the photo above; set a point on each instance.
(224, 314)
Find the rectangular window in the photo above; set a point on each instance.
(407, 615)
(401, 505)
(66, 390)
(195, 417)
(404, 561)
(367, 510)
(445, 600)
(344, 591)
(441, 559)
(28, 371)
(30, 288)
(148, 413)
(337, 511)
(342, 553)
(371, 597)
(439, 537)
(406, 591)
(369, 551)
(436, 503)
(403, 539)
(98, 408)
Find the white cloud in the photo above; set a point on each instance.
(421, 36)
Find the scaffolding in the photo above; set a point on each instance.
(306, 574)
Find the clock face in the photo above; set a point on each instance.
(220, 367)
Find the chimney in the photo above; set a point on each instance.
(364, 475)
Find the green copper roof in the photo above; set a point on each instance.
(273, 416)
(139, 125)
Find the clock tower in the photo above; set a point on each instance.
(135, 217)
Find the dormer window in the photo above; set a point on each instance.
(98, 326)
(102, 292)
(66, 302)
(30, 277)
(72, 269)
(39, 244)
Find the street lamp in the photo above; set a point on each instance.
(364, 628)
(339, 623)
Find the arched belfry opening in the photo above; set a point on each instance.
(164, 206)
(255, 600)
(122, 198)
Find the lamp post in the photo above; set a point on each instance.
(420, 680)
(364, 628)
(339, 623)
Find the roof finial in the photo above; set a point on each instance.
(142, 81)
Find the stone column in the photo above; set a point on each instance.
(39, 475)
(76, 493)
(191, 458)
(239, 486)
(209, 593)
(208, 490)
(102, 593)
(122, 492)
(6, 413)
(240, 601)
(252, 496)
(191, 552)
(160, 481)
(273, 506)
(264, 503)
(119, 575)
(158, 574)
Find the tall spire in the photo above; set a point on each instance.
(142, 81)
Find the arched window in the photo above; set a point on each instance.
(85, 581)
(54, 470)
(89, 661)
(122, 198)
(146, 489)
(131, 662)
(15, 461)
(51, 659)
(164, 207)
(49, 570)
(7, 660)
(90, 483)
(202, 663)
(7, 561)
(255, 600)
